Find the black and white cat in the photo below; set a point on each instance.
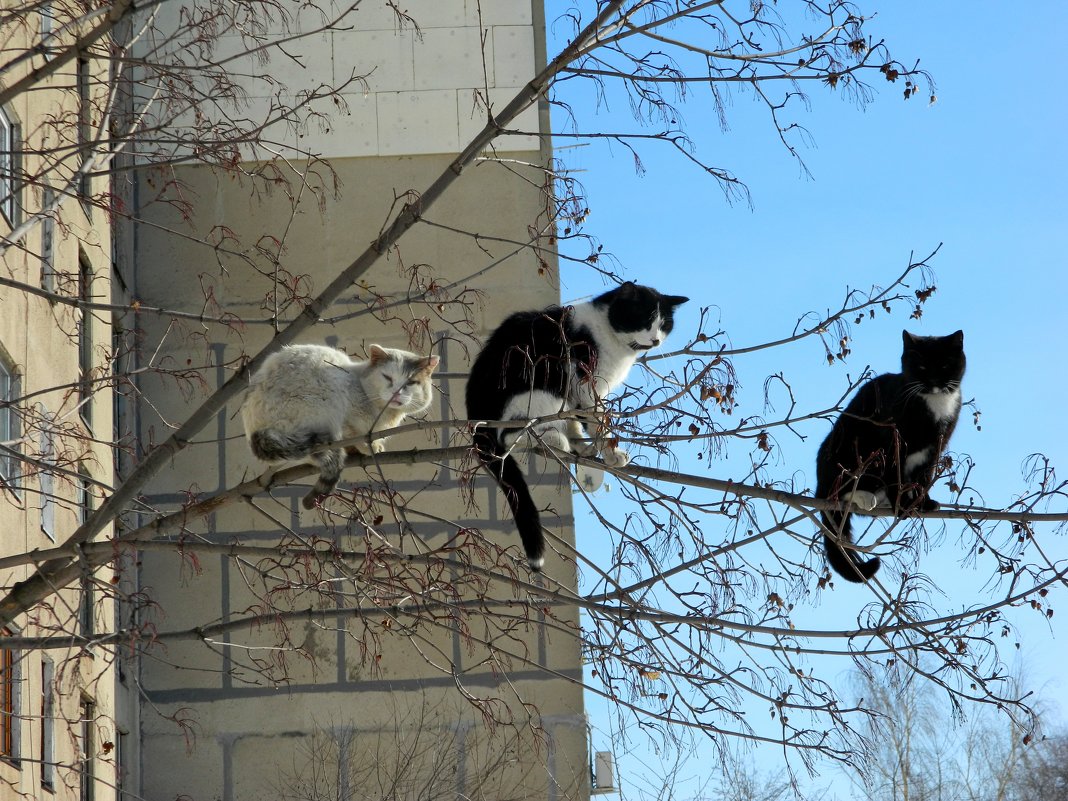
(884, 447)
(560, 359)
(306, 396)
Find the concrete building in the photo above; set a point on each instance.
(419, 664)
(66, 724)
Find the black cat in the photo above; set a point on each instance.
(542, 363)
(884, 447)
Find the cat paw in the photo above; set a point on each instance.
(614, 457)
(928, 505)
(586, 449)
(913, 502)
(555, 439)
(862, 499)
(378, 446)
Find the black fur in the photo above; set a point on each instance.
(545, 350)
(272, 446)
(887, 421)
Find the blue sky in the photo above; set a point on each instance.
(983, 171)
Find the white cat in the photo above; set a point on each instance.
(307, 396)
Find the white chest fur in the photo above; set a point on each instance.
(614, 356)
(943, 405)
(914, 460)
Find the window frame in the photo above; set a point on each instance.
(48, 18)
(85, 340)
(48, 724)
(10, 701)
(48, 239)
(87, 607)
(46, 479)
(122, 756)
(10, 163)
(10, 428)
(87, 590)
(82, 82)
(86, 749)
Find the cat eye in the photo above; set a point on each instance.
(389, 378)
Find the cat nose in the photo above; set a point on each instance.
(656, 341)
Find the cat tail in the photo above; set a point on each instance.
(272, 445)
(846, 563)
(509, 477)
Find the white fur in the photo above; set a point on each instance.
(914, 460)
(866, 501)
(862, 499)
(943, 405)
(615, 357)
(314, 387)
(530, 405)
(615, 457)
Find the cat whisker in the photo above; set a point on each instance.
(911, 391)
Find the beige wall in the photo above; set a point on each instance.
(342, 673)
(449, 676)
(39, 339)
(408, 85)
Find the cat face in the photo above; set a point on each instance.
(936, 363)
(399, 379)
(640, 315)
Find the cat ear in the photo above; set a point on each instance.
(428, 364)
(907, 338)
(378, 354)
(957, 337)
(674, 300)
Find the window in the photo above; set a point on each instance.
(122, 609)
(120, 657)
(84, 185)
(9, 426)
(87, 747)
(121, 365)
(86, 608)
(87, 605)
(121, 756)
(85, 495)
(48, 24)
(10, 686)
(85, 341)
(48, 723)
(47, 480)
(47, 18)
(9, 166)
(48, 236)
(122, 616)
